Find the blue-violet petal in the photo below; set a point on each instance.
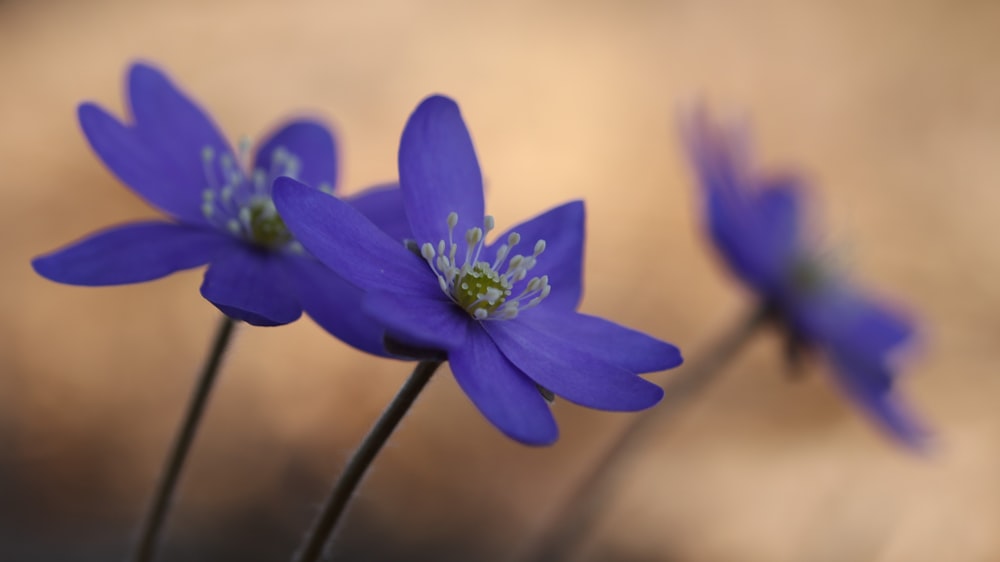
(139, 167)
(438, 171)
(505, 396)
(570, 371)
(171, 126)
(563, 229)
(335, 305)
(132, 253)
(419, 322)
(349, 244)
(312, 143)
(612, 343)
(253, 281)
(383, 205)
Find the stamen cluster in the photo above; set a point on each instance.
(241, 203)
(479, 287)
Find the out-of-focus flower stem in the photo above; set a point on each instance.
(149, 535)
(325, 525)
(584, 504)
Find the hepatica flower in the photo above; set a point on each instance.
(756, 222)
(220, 212)
(503, 312)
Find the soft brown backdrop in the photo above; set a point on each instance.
(892, 107)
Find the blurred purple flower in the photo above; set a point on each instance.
(220, 213)
(756, 222)
(508, 336)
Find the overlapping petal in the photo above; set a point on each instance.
(439, 172)
(563, 229)
(132, 253)
(252, 285)
(757, 230)
(308, 140)
(139, 167)
(432, 323)
(347, 242)
(611, 343)
(870, 383)
(571, 372)
(504, 395)
(171, 126)
(879, 329)
(778, 208)
(335, 305)
(383, 205)
(843, 318)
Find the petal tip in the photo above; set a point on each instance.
(43, 266)
(141, 71)
(437, 102)
(544, 437)
(671, 356)
(654, 395)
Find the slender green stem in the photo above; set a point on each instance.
(153, 525)
(579, 513)
(333, 509)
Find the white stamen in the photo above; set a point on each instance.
(260, 180)
(427, 251)
(238, 200)
(515, 262)
(207, 159)
(244, 215)
(482, 288)
(243, 146)
(474, 235)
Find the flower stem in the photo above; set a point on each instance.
(581, 509)
(333, 509)
(153, 524)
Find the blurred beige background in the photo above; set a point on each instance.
(893, 108)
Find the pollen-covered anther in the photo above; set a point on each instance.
(482, 288)
(238, 199)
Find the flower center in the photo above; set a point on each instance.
(240, 202)
(807, 276)
(482, 288)
(266, 226)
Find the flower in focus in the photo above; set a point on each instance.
(220, 213)
(505, 312)
(756, 222)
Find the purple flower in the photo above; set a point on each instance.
(504, 313)
(220, 213)
(756, 223)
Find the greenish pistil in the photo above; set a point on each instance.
(481, 287)
(266, 226)
(807, 276)
(239, 201)
(484, 289)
